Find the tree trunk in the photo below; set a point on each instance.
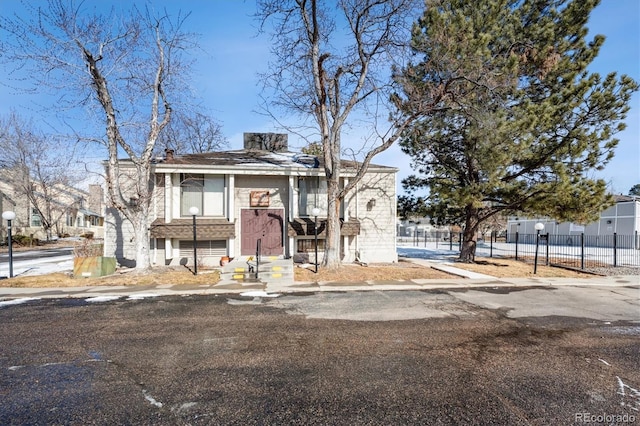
(141, 216)
(469, 236)
(332, 256)
(142, 236)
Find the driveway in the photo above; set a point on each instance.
(326, 358)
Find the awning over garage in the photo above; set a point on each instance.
(214, 229)
(304, 226)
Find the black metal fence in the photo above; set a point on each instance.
(575, 250)
(421, 239)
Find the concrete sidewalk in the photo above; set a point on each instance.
(259, 289)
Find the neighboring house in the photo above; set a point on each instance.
(77, 212)
(623, 218)
(261, 193)
(419, 227)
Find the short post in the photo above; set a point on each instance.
(315, 212)
(547, 251)
(193, 211)
(9, 216)
(582, 250)
(539, 227)
(491, 244)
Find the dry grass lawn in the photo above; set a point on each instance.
(159, 275)
(403, 270)
(509, 268)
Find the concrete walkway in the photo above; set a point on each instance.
(262, 290)
(450, 269)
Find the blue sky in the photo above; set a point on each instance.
(226, 73)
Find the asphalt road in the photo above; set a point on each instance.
(37, 254)
(329, 358)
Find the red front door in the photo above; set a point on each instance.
(264, 224)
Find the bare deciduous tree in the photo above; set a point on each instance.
(38, 170)
(127, 66)
(332, 61)
(192, 133)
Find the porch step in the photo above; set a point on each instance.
(271, 269)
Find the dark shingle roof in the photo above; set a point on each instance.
(255, 158)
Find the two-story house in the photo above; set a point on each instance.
(69, 210)
(262, 192)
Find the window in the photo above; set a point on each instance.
(36, 220)
(313, 193)
(71, 220)
(309, 245)
(206, 192)
(203, 248)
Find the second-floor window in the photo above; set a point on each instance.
(312, 193)
(206, 192)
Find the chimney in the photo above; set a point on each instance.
(168, 155)
(96, 197)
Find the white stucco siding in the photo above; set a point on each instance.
(376, 210)
(277, 186)
(119, 239)
(159, 196)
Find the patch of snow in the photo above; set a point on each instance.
(151, 399)
(99, 299)
(427, 253)
(259, 294)
(183, 407)
(632, 394)
(141, 296)
(17, 301)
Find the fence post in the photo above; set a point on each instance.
(450, 240)
(460, 241)
(517, 235)
(491, 244)
(582, 250)
(547, 251)
(615, 249)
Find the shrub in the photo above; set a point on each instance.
(23, 240)
(87, 248)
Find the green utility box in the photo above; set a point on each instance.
(92, 267)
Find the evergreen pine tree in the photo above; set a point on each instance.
(522, 122)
